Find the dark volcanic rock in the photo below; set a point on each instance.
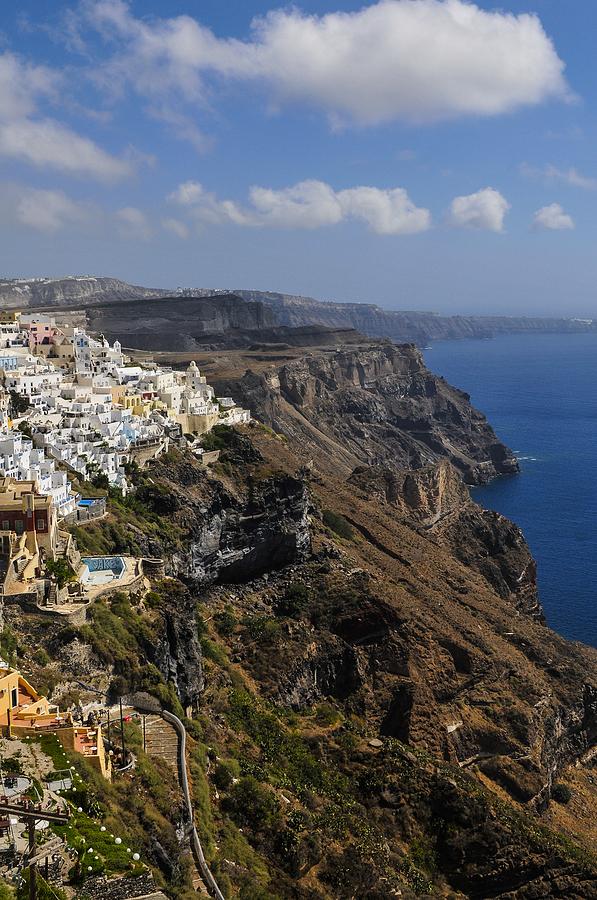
(179, 323)
(235, 537)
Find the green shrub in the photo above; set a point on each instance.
(295, 600)
(262, 628)
(41, 657)
(60, 570)
(213, 652)
(338, 524)
(561, 793)
(326, 715)
(9, 644)
(225, 773)
(225, 622)
(250, 803)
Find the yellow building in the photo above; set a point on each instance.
(8, 316)
(22, 709)
(23, 712)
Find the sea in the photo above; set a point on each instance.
(540, 394)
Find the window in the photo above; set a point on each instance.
(19, 526)
(5, 525)
(14, 698)
(41, 524)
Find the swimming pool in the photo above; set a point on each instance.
(100, 570)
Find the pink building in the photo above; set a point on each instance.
(40, 332)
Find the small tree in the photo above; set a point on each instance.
(25, 428)
(60, 571)
(18, 404)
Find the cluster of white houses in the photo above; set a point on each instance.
(74, 405)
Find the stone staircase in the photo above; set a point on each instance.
(161, 740)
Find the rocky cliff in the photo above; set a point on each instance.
(435, 501)
(404, 325)
(385, 712)
(375, 705)
(379, 404)
(20, 293)
(177, 323)
(284, 310)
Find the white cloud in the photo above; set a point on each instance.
(176, 227)
(308, 204)
(385, 211)
(552, 218)
(48, 144)
(551, 174)
(207, 208)
(48, 210)
(484, 210)
(133, 224)
(408, 60)
(45, 142)
(187, 194)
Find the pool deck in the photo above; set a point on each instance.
(132, 572)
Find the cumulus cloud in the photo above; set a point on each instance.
(45, 142)
(308, 204)
(551, 174)
(552, 218)
(385, 211)
(48, 211)
(409, 60)
(133, 224)
(176, 227)
(484, 210)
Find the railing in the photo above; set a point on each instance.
(209, 879)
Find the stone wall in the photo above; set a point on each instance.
(87, 513)
(103, 888)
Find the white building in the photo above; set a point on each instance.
(20, 460)
(96, 357)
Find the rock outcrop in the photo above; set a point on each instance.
(377, 404)
(231, 534)
(436, 501)
(179, 323)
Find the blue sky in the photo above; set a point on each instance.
(416, 153)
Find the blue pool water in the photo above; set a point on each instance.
(540, 394)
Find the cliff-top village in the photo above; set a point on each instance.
(74, 409)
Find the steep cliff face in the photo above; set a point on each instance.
(436, 501)
(405, 325)
(286, 310)
(377, 404)
(229, 532)
(384, 714)
(178, 323)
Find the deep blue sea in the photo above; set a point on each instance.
(540, 394)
